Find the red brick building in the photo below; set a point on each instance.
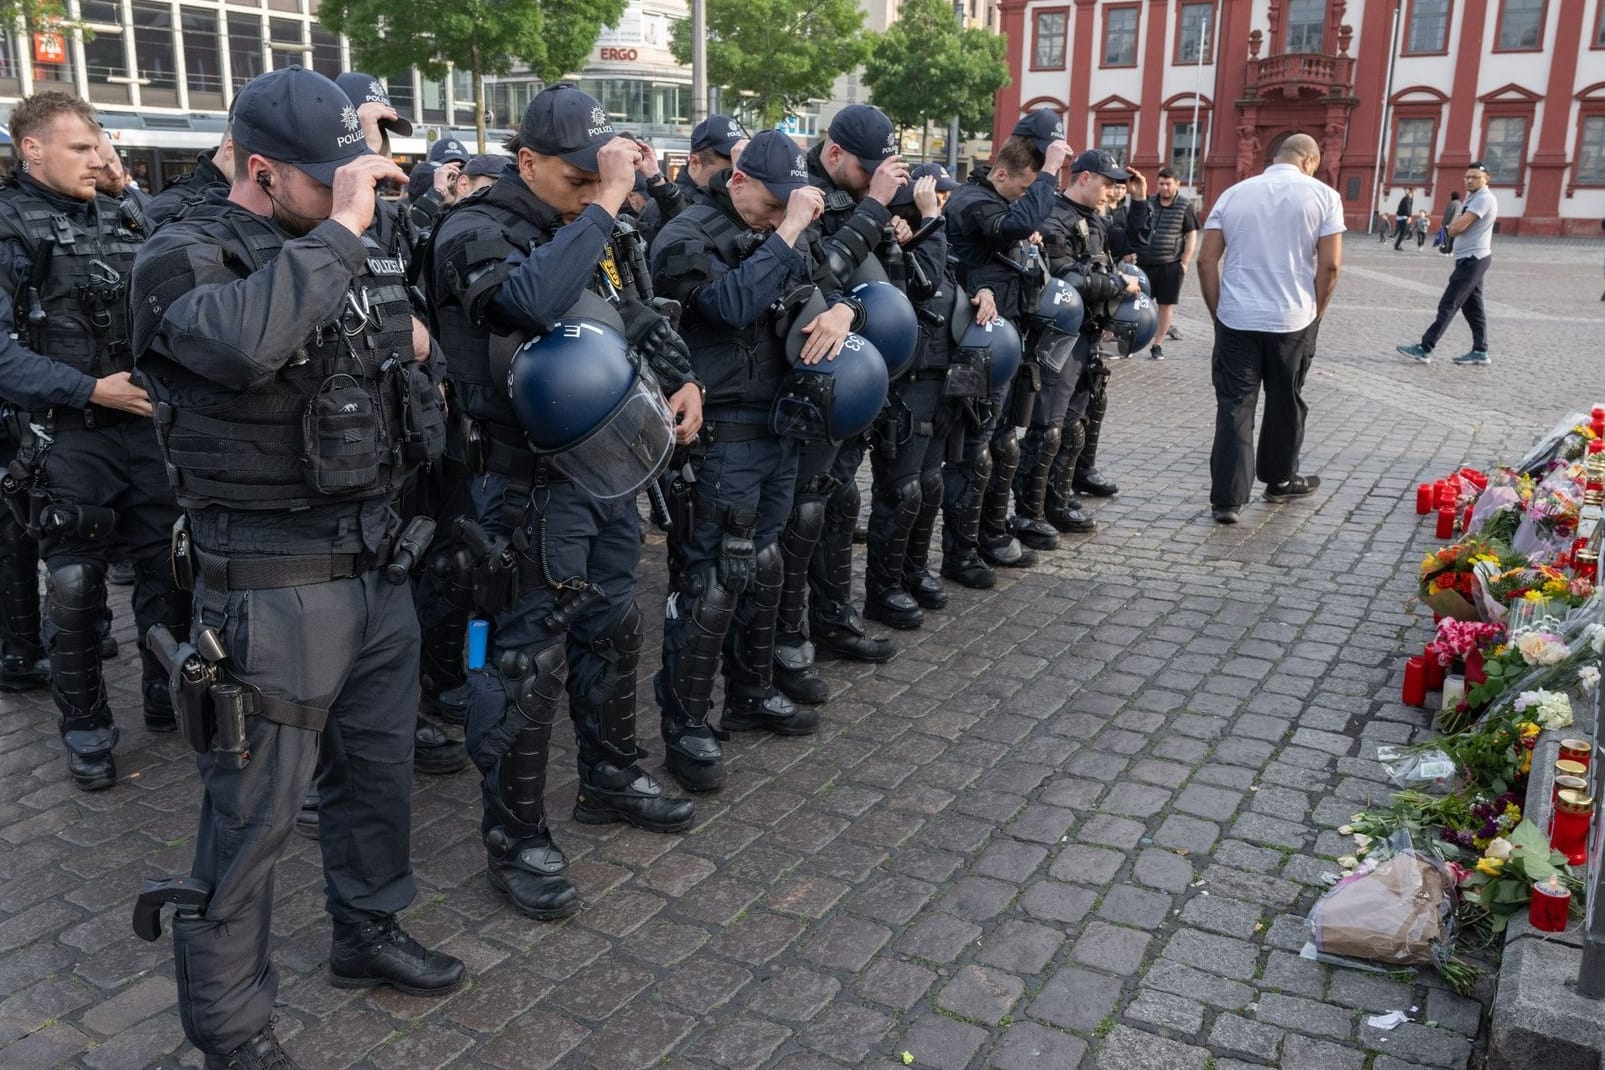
(1519, 84)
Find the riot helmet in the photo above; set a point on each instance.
(890, 324)
(1134, 323)
(835, 399)
(1060, 307)
(1001, 342)
(1143, 281)
(591, 405)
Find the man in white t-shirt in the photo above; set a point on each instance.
(1269, 262)
(1472, 232)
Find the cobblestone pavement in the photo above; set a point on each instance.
(1077, 821)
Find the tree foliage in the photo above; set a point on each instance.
(776, 55)
(928, 68)
(550, 37)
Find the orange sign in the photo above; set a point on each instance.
(49, 47)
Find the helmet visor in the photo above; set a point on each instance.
(630, 447)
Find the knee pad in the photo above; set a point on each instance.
(1075, 436)
(626, 640)
(803, 529)
(908, 495)
(769, 567)
(845, 502)
(1005, 449)
(930, 487)
(77, 597)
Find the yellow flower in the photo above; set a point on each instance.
(1493, 867)
(1529, 730)
(1533, 596)
(1526, 762)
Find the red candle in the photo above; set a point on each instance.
(1465, 518)
(1435, 670)
(1446, 522)
(1441, 494)
(1566, 782)
(1573, 813)
(1424, 498)
(1549, 906)
(1580, 751)
(1415, 682)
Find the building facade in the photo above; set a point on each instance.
(1401, 94)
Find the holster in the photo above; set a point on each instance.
(892, 429)
(1027, 383)
(495, 569)
(211, 709)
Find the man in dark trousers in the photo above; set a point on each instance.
(285, 365)
(1472, 233)
(1402, 216)
(96, 483)
(1271, 253)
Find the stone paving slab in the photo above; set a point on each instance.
(1077, 822)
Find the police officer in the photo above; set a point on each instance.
(22, 652)
(713, 144)
(857, 168)
(990, 221)
(293, 402)
(448, 157)
(736, 262)
(911, 441)
(481, 172)
(90, 475)
(1084, 250)
(114, 180)
(559, 563)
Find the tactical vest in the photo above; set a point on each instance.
(1166, 241)
(73, 305)
(738, 368)
(1087, 244)
(347, 419)
(973, 261)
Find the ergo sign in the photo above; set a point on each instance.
(628, 55)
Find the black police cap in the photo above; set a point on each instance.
(717, 132)
(866, 132)
(1043, 126)
(775, 160)
(298, 117)
(366, 89)
(568, 123)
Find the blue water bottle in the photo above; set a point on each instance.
(478, 641)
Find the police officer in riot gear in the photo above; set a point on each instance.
(990, 221)
(22, 650)
(89, 476)
(857, 168)
(213, 170)
(713, 143)
(742, 266)
(293, 402)
(1085, 251)
(556, 565)
(911, 441)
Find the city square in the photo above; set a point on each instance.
(1077, 821)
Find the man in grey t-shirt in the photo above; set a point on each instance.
(1472, 232)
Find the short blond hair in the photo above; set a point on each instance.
(34, 113)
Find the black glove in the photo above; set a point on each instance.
(736, 556)
(652, 335)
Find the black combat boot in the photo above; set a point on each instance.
(261, 1052)
(530, 874)
(380, 952)
(609, 793)
(434, 752)
(772, 713)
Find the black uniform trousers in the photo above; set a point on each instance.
(119, 467)
(349, 646)
(1463, 293)
(577, 539)
(1242, 362)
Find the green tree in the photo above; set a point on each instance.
(552, 37)
(926, 69)
(775, 55)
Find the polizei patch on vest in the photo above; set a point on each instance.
(385, 265)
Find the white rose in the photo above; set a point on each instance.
(1531, 645)
(1553, 654)
(1348, 861)
(1588, 676)
(1499, 848)
(1345, 830)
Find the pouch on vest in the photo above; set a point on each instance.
(340, 434)
(423, 415)
(968, 375)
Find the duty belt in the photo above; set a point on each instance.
(90, 418)
(222, 574)
(924, 375)
(735, 425)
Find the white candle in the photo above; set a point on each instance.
(1454, 690)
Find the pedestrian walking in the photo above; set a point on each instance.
(1402, 216)
(1168, 256)
(1268, 266)
(1473, 232)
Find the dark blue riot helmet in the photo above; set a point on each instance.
(1143, 281)
(1060, 307)
(1134, 323)
(890, 324)
(835, 399)
(589, 404)
(1001, 342)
